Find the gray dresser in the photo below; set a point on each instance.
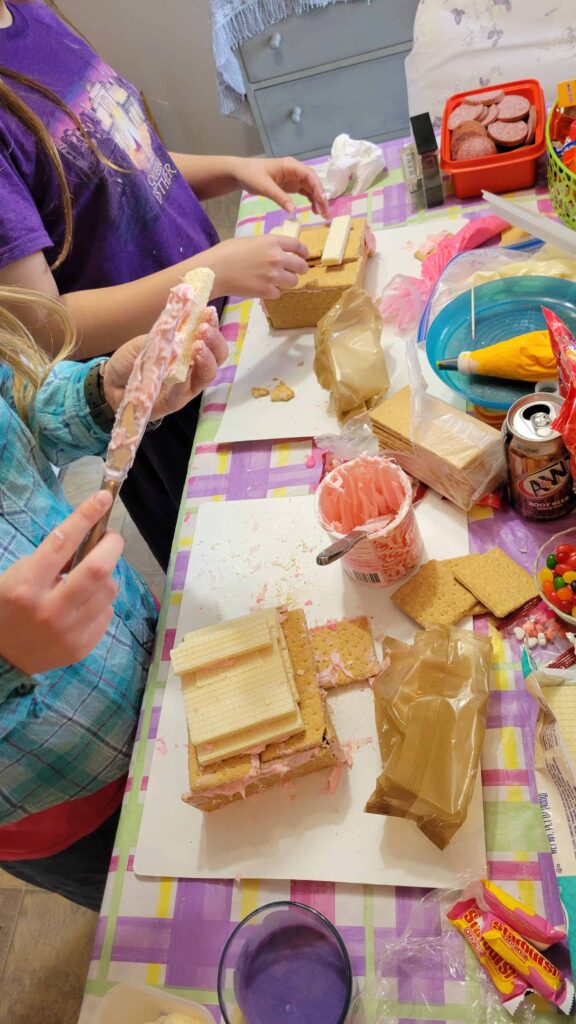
(334, 69)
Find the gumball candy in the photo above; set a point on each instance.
(546, 574)
(560, 568)
(569, 576)
(548, 588)
(551, 561)
(564, 594)
(559, 582)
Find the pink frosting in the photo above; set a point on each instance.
(259, 770)
(364, 489)
(156, 358)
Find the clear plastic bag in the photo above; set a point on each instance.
(428, 966)
(430, 701)
(479, 266)
(349, 361)
(459, 456)
(355, 438)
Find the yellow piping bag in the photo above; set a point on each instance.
(526, 357)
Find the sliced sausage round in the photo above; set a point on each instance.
(508, 133)
(486, 98)
(490, 115)
(475, 148)
(513, 108)
(532, 122)
(463, 113)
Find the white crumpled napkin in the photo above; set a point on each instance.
(350, 158)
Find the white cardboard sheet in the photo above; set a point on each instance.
(245, 557)
(289, 355)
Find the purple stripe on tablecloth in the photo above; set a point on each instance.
(552, 903)
(180, 569)
(391, 152)
(416, 1020)
(406, 900)
(194, 964)
(354, 939)
(425, 986)
(141, 940)
(206, 486)
(395, 207)
(249, 471)
(153, 726)
(99, 938)
(294, 476)
(512, 708)
(225, 375)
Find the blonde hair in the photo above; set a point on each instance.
(30, 364)
(11, 101)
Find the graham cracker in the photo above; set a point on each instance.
(393, 416)
(497, 581)
(320, 287)
(281, 392)
(298, 642)
(314, 238)
(433, 596)
(344, 652)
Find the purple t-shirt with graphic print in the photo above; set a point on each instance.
(127, 223)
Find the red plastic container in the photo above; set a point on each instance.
(503, 172)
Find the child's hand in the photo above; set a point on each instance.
(257, 268)
(208, 353)
(276, 178)
(47, 621)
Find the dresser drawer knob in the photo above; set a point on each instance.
(296, 115)
(275, 41)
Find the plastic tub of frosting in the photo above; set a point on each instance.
(285, 964)
(139, 1004)
(368, 488)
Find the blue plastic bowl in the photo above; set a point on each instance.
(503, 309)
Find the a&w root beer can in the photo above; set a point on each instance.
(539, 478)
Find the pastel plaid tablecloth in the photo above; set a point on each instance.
(170, 933)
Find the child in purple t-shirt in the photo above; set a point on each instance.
(137, 223)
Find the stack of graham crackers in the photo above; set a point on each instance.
(255, 707)
(317, 290)
(443, 592)
(458, 456)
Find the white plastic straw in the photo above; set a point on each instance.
(541, 227)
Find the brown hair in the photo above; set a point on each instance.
(12, 102)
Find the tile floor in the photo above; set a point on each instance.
(45, 941)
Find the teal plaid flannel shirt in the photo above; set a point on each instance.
(68, 732)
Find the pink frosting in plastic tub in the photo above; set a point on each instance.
(373, 490)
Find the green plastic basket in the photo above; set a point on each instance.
(561, 182)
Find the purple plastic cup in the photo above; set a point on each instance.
(285, 964)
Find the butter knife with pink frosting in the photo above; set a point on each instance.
(164, 358)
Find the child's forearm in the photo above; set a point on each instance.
(209, 176)
(107, 317)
